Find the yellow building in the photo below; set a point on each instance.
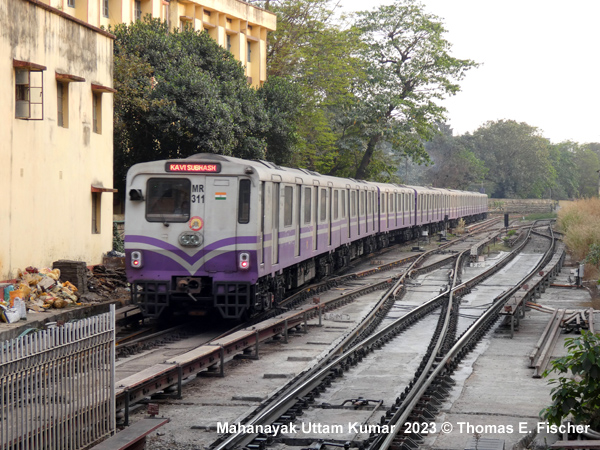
(236, 25)
(56, 137)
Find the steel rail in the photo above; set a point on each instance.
(305, 382)
(162, 376)
(478, 325)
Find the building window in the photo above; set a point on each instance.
(96, 212)
(71, 3)
(105, 8)
(249, 58)
(97, 112)
(62, 103)
(29, 93)
(138, 10)
(228, 42)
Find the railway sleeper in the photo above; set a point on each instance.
(405, 443)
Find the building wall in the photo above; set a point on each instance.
(246, 25)
(47, 170)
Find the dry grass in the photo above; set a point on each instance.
(580, 221)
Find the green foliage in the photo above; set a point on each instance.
(180, 93)
(370, 90)
(118, 244)
(587, 164)
(455, 165)
(593, 256)
(517, 157)
(409, 69)
(319, 57)
(511, 232)
(579, 395)
(566, 183)
(283, 101)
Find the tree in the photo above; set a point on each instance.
(311, 50)
(562, 158)
(180, 93)
(409, 68)
(587, 163)
(517, 158)
(455, 166)
(283, 101)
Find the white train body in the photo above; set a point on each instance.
(216, 232)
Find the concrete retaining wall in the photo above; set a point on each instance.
(521, 206)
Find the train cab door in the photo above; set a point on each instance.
(220, 223)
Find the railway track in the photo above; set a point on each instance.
(414, 405)
(213, 353)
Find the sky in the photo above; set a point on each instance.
(539, 63)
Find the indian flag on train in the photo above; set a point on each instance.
(220, 195)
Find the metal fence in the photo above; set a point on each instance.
(57, 386)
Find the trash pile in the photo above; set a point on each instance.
(42, 290)
(36, 290)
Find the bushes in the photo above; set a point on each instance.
(578, 396)
(579, 222)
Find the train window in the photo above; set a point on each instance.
(335, 205)
(168, 200)
(307, 205)
(288, 205)
(323, 205)
(382, 203)
(244, 202)
(362, 202)
(353, 204)
(343, 204)
(369, 202)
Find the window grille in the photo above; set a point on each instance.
(29, 94)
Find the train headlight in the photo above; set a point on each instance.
(244, 261)
(136, 260)
(190, 239)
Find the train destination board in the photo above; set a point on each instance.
(193, 168)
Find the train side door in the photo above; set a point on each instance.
(298, 218)
(315, 217)
(329, 215)
(220, 223)
(263, 200)
(275, 229)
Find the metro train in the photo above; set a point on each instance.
(217, 233)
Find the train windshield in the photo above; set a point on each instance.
(168, 200)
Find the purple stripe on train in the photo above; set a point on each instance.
(182, 254)
(161, 267)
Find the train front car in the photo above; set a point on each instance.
(191, 235)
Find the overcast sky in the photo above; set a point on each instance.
(540, 63)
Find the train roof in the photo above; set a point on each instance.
(268, 171)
